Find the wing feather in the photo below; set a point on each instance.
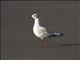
(42, 30)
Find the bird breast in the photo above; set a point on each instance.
(36, 31)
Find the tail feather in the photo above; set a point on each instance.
(55, 34)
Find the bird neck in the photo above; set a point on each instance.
(36, 23)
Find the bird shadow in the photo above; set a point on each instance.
(69, 44)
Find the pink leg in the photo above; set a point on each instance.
(41, 44)
(45, 43)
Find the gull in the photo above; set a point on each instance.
(41, 32)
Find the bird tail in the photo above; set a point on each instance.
(55, 34)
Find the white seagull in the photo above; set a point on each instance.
(41, 31)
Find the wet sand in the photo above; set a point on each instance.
(18, 41)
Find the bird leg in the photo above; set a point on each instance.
(45, 43)
(41, 44)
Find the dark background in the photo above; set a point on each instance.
(18, 41)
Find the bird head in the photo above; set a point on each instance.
(34, 16)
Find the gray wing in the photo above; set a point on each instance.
(42, 30)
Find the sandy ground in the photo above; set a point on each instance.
(18, 41)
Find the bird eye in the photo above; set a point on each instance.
(35, 15)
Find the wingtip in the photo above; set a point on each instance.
(61, 34)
